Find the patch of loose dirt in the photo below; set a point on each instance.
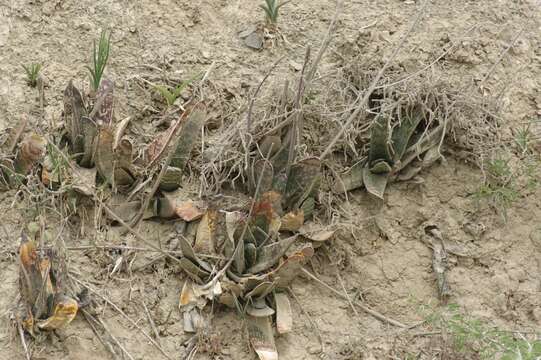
(379, 250)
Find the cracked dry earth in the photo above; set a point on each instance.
(380, 252)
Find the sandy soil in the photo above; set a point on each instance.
(380, 250)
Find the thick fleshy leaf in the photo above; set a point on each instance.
(404, 131)
(350, 180)
(104, 106)
(431, 156)
(265, 221)
(269, 255)
(262, 289)
(189, 253)
(250, 254)
(303, 182)
(262, 169)
(431, 140)
(375, 183)
(193, 270)
(284, 315)
(74, 110)
(104, 154)
(189, 136)
(50, 176)
(379, 142)
(261, 337)
(89, 133)
(380, 167)
(308, 207)
(171, 180)
(259, 308)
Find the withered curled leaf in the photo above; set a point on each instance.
(261, 337)
(284, 315)
(292, 221)
(186, 209)
(65, 310)
(32, 150)
(205, 239)
(46, 306)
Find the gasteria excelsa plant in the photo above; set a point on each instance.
(99, 59)
(271, 9)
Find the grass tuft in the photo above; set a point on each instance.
(99, 59)
(473, 336)
(32, 73)
(272, 8)
(171, 94)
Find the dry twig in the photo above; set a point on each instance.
(364, 101)
(365, 308)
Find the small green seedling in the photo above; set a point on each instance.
(32, 73)
(171, 94)
(271, 9)
(99, 59)
(523, 139)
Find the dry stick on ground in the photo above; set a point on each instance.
(365, 308)
(295, 132)
(502, 55)
(442, 55)
(310, 320)
(363, 102)
(115, 339)
(346, 292)
(91, 289)
(91, 320)
(252, 100)
(151, 322)
(305, 82)
(23, 341)
(18, 134)
(325, 44)
(134, 248)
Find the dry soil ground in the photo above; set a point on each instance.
(379, 251)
